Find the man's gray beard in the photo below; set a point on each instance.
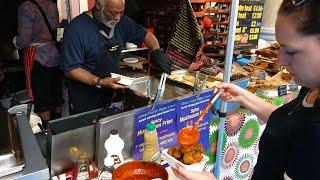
(102, 19)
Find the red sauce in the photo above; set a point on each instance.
(188, 136)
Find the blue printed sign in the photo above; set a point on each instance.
(164, 117)
(189, 109)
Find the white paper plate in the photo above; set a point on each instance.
(127, 81)
(130, 60)
(131, 45)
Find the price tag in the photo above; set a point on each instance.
(293, 86)
(262, 75)
(282, 90)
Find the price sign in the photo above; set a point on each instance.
(249, 23)
(282, 90)
(293, 86)
(262, 75)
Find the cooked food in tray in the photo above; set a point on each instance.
(281, 78)
(189, 80)
(187, 156)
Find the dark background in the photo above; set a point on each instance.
(8, 19)
(15, 81)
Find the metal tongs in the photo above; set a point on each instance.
(197, 90)
(160, 90)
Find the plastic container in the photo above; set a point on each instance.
(81, 168)
(151, 147)
(198, 167)
(114, 146)
(106, 173)
(22, 108)
(35, 123)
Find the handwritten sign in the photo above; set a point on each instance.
(189, 109)
(249, 23)
(164, 117)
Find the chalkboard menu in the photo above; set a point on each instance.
(186, 38)
(249, 23)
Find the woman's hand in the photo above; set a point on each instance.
(234, 93)
(231, 92)
(185, 174)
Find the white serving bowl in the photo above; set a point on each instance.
(198, 167)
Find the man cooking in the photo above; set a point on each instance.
(91, 50)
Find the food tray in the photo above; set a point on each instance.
(11, 159)
(242, 82)
(180, 73)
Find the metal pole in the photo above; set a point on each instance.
(226, 79)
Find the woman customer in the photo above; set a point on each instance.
(290, 144)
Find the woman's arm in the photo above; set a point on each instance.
(234, 93)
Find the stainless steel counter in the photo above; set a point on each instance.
(36, 167)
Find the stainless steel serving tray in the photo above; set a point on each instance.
(11, 156)
(140, 87)
(183, 73)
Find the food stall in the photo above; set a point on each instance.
(96, 129)
(87, 132)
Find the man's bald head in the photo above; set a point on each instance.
(112, 9)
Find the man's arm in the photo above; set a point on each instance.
(161, 61)
(86, 77)
(151, 41)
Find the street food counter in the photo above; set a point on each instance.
(88, 131)
(93, 129)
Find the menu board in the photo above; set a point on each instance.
(186, 38)
(169, 117)
(164, 117)
(189, 109)
(248, 23)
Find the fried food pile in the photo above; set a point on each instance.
(187, 156)
(189, 80)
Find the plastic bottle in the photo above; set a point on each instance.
(114, 146)
(81, 169)
(151, 147)
(106, 173)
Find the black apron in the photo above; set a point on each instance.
(83, 97)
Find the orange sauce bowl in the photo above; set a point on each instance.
(188, 136)
(140, 170)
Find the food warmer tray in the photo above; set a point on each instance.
(11, 156)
